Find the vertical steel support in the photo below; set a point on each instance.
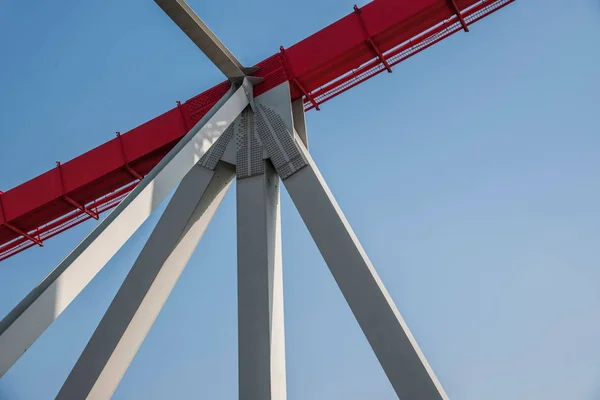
(299, 120)
(30, 318)
(142, 295)
(261, 340)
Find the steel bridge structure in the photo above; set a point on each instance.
(250, 127)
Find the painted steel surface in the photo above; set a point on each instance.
(367, 41)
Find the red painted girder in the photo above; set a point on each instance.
(319, 67)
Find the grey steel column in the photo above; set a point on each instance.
(142, 295)
(396, 349)
(299, 119)
(261, 341)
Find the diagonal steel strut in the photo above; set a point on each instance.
(149, 283)
(189, 22)
(30, 318)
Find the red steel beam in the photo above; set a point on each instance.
(320, 67)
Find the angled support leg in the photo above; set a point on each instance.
(187, 20)
(30, 318)
(261, 343)
(397, 351)
(142, 295)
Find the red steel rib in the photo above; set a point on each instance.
(456, 10)
(327, 63)
(370, 40)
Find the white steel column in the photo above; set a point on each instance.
(396, 349)
(142, 295)
(261, 340)
(299, 119)
(30, 318)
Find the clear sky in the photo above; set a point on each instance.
(470, 175)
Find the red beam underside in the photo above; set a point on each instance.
(319, 68)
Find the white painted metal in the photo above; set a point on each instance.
(276, 136)
(26, 322)
(396, 349)
(203, 37)
(300, 121)
(261, 343)
(273, 129)
(374, 309)
(142, 295)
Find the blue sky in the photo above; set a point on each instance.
(470, 175)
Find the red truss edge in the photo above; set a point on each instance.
(62, 224)
(367, 41)
(404, 51)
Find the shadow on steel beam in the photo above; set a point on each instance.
(19, 337)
